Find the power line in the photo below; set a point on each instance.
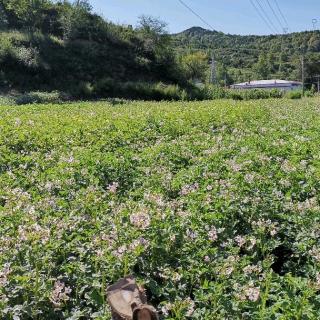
(261, 16)
(267, 16)
(276, 16)
(281, 14)
(196, 14)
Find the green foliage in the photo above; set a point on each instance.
(39, 97)
(309, 93)
(215, 92)
(138, 90)
(214, 206)
(69, 48)
(258, 94)
(263, 67)
(251, 57)
(294, 94)
(195, 66)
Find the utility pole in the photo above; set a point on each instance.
(314, 22)
(285, 31)
(213, 70)
(302, 74)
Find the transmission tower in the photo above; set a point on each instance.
(213, 78)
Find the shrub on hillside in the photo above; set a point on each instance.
(6, 101)
(108, 88)
(84, 90)
(213, 92)
(104, 87)
(294, 95)
(254, 94)
(168, 92)
(40, 97)
(309, 93)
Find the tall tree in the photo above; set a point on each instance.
(195, 65)
(263, 67)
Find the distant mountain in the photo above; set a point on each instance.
(239, 55)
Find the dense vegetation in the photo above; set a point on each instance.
(64, 46)
(241, 58)
(213, 205)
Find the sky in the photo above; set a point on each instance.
(228, 16)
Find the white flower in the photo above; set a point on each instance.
(240, 241)
(4, 275)
(60, 294)
(140, 220)
(318, 281)
(253, 242)
(139, 242)
(228, 271)
(166, 309)
(112, 188)
(191, 308)
(253, 293)
(315, 253)
(192, 234)
(273, 232)
(120, 251)
(213, 234)
(189, 189)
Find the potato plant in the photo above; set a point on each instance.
(213, 206)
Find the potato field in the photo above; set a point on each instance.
(213, 206)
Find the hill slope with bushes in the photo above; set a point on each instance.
(65, 46)
(245, 57)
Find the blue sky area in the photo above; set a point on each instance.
(229, 16)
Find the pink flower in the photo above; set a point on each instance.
(228, 271)
(140, 220)
(192, 234)
(253, 293)
(139, 242)
(213, 234)
(112, 188)
(4, 275)
(191, 307)
(240, 241)
(60, 294)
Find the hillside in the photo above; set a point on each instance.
(255, 56)
(65, 46)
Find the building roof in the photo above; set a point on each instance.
(269, 83)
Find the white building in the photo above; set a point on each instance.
(269, 84)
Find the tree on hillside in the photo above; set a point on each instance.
(154, 34)
(195, 66)
(24, 14)
(223, 76)
(155, 45)
(78, 21)
(263, 67)
(3, 18)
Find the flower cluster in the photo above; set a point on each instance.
(60, 294)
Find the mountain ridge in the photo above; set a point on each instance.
(198, 29)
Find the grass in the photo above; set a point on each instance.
(214, 206)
